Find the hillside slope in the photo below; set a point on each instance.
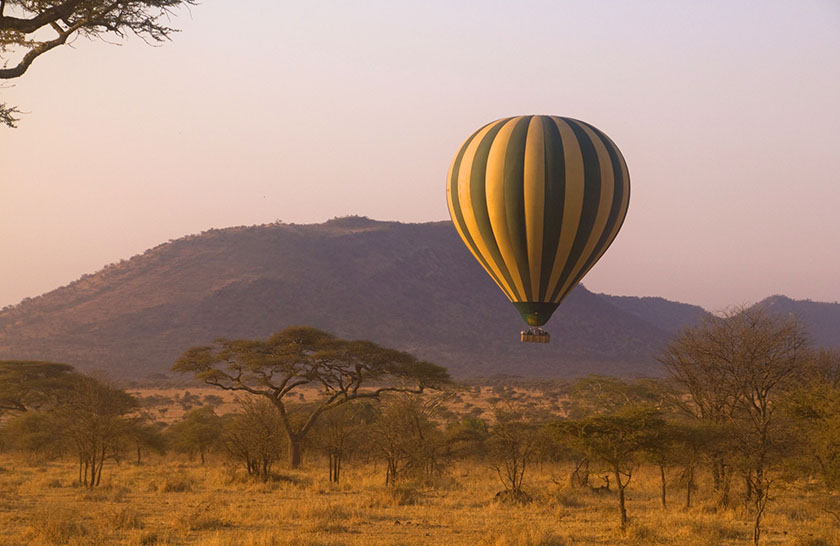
(411, 286)
(666, 315)
(821, 319)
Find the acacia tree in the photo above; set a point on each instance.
(254, 436)
(197, 432)
(815, 409)
(31, 385)
(146, 434)
(340, 431)
(30, 28)
(34, 432)
(405, 436)
(95, 421)
(617, 440)
(467, 438)
(743, 361)
(604, 395)
(694, 361)
(301, 356)
(513, 444)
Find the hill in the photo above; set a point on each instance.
(410, 286)
(666, 315)
(821, 319)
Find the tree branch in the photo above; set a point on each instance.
(37, 51)
(27, 26)
(7, 116)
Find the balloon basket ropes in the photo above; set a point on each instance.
(534, 335)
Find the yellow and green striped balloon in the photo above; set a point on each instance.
(537, 200)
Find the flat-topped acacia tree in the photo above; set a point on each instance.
(302, 356)
(30, 384)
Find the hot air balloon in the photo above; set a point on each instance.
(538, 200)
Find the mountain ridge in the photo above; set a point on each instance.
(410, 286)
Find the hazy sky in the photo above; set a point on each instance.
(728, 113)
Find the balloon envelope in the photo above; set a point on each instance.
(537, 200)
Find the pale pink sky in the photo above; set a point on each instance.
(728, 113)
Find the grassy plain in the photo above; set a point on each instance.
(172, 501)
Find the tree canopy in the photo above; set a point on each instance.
(301, 356)
(735, 369)
(617, 439)
(32, 384)
(30, 28)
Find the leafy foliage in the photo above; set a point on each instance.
(28, 384)
(197, 432)
(815, 409)
(618, 440)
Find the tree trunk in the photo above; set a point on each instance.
(722, 481)
(689, 485)
(622, 507)
(90, 471)
(662, 485)
(748, 488)
(332, 467)
(760, 503)
(761, 492)
(101, 464)
(391, 472)
(138, 455)
(294, 452)
(621, 504)
(724, 495)
(335, 466)
(580, 476)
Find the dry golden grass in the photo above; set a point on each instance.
(175, 502)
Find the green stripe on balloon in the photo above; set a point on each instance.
(555, 195)
(515, 202)
(617, 213)
(591, 196)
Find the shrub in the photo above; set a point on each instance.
(202, 517)
(56, 524)
(125, 517)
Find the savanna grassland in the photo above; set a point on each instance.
(174, 499)
(170, 500)
(308, 439)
